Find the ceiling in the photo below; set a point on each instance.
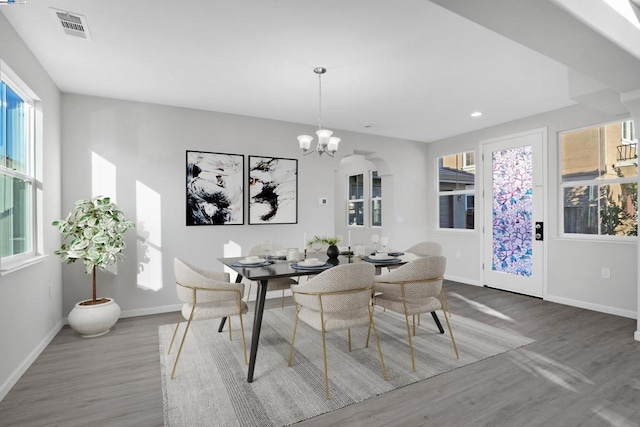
(414, 72)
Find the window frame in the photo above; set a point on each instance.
(596, 182)
(465, 193)
(29, 175)
(361, 200)
(373, 199)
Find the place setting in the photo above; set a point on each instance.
(311, 264)
(252, 261)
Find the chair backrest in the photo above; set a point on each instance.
(422, 277)
(189, 277)
(426, 249)
(338, 287)
(259, 249)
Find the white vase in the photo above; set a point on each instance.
(94, 320)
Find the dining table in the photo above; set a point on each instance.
(273, 268)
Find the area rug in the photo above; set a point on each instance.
(210, 386)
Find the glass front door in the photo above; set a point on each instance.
(513, 257)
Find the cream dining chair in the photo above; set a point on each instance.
(431, 249)
(281, 284)
(335, 300)
(412, 289)
(206, 295)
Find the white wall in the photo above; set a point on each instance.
(573, 269)
(31, 298)
(146, 143)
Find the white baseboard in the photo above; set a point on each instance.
(151, 310)
(28, 361)
(594, 307)
(464, 280)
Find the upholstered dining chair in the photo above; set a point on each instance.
(206, 295)
(274, 284)
(335, 300)
(426, 249)
(412, 289)
(430, 249)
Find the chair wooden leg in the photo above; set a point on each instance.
(324, 356)
(230, 334)
(413, 362)
(453, 341)
(293, 339)
(174, 334)
(175, 365)
(282, 298)
(249, 291)
(244, 342)
(413, 319)
(349, 335)
(375, 335)
(368, 333)
(445, 301)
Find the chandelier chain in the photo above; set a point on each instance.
(320, 101)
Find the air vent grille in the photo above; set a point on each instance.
(73, 24)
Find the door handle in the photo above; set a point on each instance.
(539, 231)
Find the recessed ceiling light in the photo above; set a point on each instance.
(476, 114)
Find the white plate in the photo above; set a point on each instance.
(246, 261)
(379, 257)
(311, 263)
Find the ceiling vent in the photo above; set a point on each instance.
(73, 24)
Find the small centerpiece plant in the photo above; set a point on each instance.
(332, 241)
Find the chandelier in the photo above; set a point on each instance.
(326, 143)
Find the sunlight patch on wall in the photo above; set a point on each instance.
(103, 177)
(103, 183)
(625, 9)
(149, 237)
(232, 249)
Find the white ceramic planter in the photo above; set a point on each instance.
(94, 320)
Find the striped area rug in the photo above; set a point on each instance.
(210, 387)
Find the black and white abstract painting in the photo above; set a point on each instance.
(273, 190)
(215, 188)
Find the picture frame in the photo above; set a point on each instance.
(214, 188)
(273, 190)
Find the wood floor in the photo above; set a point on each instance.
(583, 370)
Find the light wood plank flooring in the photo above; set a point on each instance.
(583, 370)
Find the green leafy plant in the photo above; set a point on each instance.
(329, 240)
(93, 233)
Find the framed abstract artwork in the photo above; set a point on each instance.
(215, 188)
(273, 190)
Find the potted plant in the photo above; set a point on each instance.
(93, 233)
(332, 250)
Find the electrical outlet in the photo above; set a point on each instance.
(605, 273)
(323, 201)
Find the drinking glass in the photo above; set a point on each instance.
(384, 241)
(317, 246)
(267, 246)
(375, 238)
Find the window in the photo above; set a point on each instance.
(599, 184)
(355, 203)
(376, 199)
(17, 177)
(456, 190)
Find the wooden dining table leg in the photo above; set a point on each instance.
(257, 324)
(224, 319)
